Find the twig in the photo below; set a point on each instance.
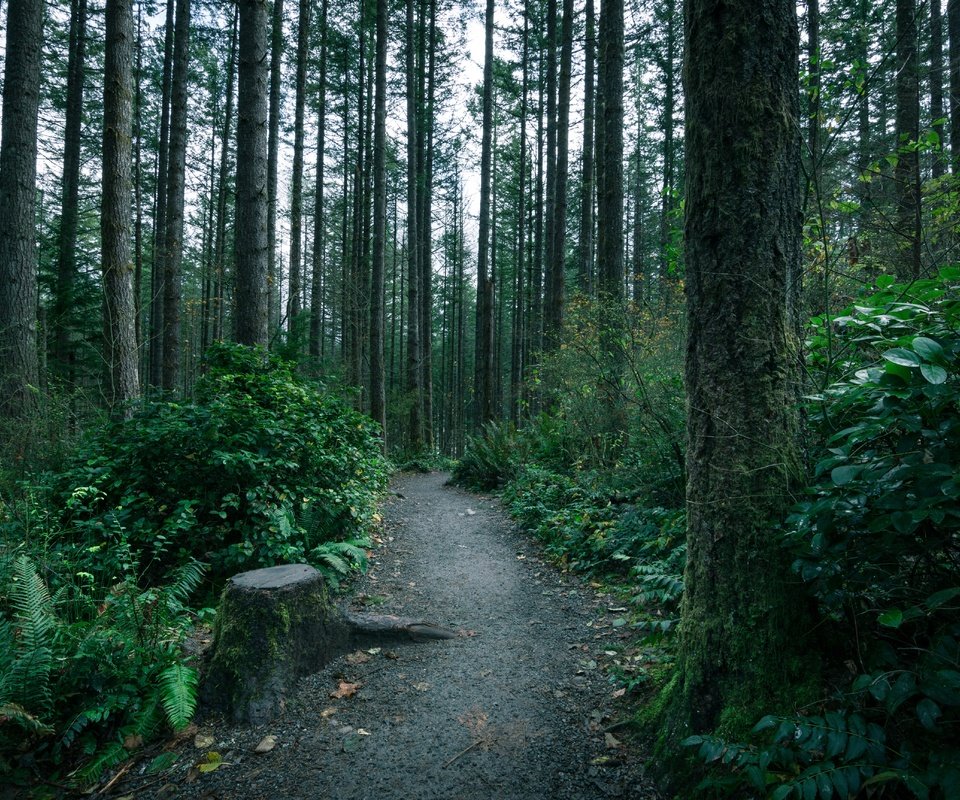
(118, 776)
(462, 753)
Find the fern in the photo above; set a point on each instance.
(26, 679)
(26, 720)
(178, 687)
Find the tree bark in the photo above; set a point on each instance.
(317, 309)
(415, 426)
(378, 399)
(160, 214)
(296, 193)
(119, 312)
(251, 213)
(63, 325)
(585, 271)
(906, 174)
(953, 53)
(273, 162)
(176, 175)
(610, 152)
(938, 163)
(484, 346)
(19, 369)
(741, 640)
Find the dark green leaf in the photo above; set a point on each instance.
(892, 618)
(928, 713)
(902, 356)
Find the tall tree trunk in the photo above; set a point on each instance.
(484, 346)
(906, 175)
(378, 400)
(220, 246)
(550, 210)
(63, 325)
(317, 307)
(251, 214)
(119, 313)
(741, 633)
(157, 270)
(137, 193)
(585, 266)
(273, 162)
(176, 173)
(863, 106)
(610, 151)
(414, 374)
(553, 316)
(19, 369)
(669, 158)
(520, 319)
(425, 214)
(937, 165)
(296, 194)
(953, 34)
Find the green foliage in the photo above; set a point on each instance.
(83, 674)
(261, 469)
(492, 458)
(877, 541)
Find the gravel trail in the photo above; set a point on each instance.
(513, 708)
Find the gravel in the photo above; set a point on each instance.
(514, 707)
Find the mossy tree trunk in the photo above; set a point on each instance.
(741, 619)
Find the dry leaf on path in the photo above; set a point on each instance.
(345, 690)
(611, 741)
(422, 686)
(620, 692)
(328, 712)
(210, 762)
(358, 657)
(267, 743)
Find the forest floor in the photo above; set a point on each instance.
(515, 707)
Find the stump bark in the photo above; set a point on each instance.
(276, 625)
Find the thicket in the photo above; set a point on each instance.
(874, 536)
(103, 563)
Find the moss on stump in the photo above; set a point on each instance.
(274, 626)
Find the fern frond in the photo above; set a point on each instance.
(28, 679)
(111, 755)
(178, 694)
(185, 580)
(335, 562)
(14, 713)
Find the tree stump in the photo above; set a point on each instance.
(276, 625)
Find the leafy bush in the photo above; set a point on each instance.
(85, 676)
(262, 468)
(492, 458)
(878, 543)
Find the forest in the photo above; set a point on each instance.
(678, 281)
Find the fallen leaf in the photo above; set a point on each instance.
(358, 658)
(466, 633)
(328, 712)
(374, 651)
(422, 686)
(391, 655)
(363, 732)
(132, 741)
(620, 692)
(211, 761)
(470, 512)
(202, 741)
(616, 609)
(267, 743)
(345, 690)
(600, 761)
(611, 741)
(351, 743)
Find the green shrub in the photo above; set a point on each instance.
(262, 468)
(492, 458)
(878, 543)
(85, 672)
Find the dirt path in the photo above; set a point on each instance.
(514, 708)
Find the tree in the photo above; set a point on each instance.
(176, 185)
(70, 193)
(953, 58)
(377, 320)
(585, 271)
(415, 431)
(484, 345)
(610, 151)
(251, 216)
(906, 174)
(273, 164)
(296, 192)
(19, 370)
(740, 641)
(119, 312)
